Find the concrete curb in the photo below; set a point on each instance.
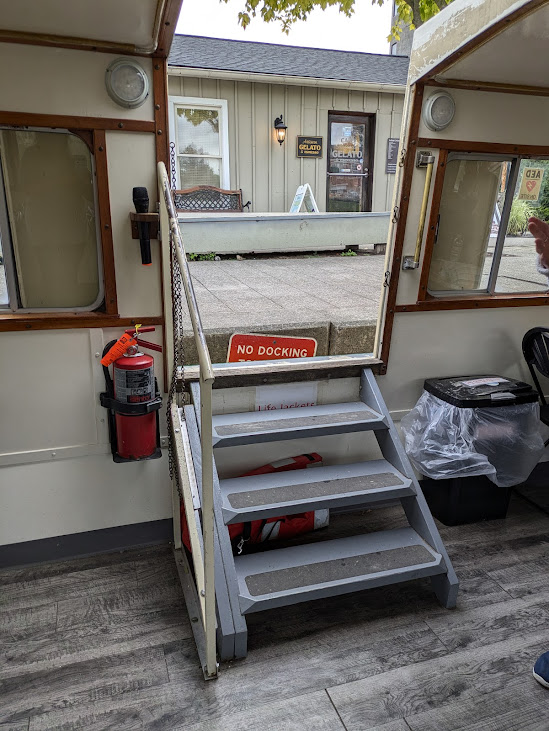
(333, 338)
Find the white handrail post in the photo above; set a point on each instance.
(206, 443)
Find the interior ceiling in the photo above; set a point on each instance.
(519, 55)
(122, 23)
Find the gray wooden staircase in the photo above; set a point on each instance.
(281, 576)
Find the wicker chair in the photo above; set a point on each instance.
(207, 199)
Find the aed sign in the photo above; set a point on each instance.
(244, 347)
(309, 146)
(530, 185)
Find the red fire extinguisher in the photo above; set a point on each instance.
(132, 397)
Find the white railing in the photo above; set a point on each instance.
(202, 551)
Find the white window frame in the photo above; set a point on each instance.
(10, 268)
(221, 106)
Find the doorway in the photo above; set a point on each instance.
(350, 163)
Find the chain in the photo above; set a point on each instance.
(172, 166)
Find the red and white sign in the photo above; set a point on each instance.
(244, 347)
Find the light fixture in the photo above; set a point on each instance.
(439, 110)
(280, 129)
(127, 83)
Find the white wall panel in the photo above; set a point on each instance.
(72, 496)
(456, 342)
(131, 162)
(46, 80)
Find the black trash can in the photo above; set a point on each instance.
(460, 500)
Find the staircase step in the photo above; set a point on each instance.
(276, 425)
(286, 576)
(285, 493)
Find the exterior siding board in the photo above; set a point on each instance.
(268, 173)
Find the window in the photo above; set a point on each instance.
(482, 243)
(48, 227)
(199, 133)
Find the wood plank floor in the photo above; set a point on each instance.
(105, 643)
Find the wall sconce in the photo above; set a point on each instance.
(280, 129)
(127, 82)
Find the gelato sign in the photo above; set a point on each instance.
(530, 185)
(309, 146)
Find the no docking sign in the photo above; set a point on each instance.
(245, 347)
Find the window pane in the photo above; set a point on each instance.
(199, 171)
(347, 147)
(49, 189)
(198, 131)
(468, 207)
(345, 193)
(517, 271)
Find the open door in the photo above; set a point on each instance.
(464, 286)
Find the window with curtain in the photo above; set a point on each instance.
(200, 136)
(48, 222)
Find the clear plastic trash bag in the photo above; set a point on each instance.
(443, 441)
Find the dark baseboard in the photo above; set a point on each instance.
(89, 543)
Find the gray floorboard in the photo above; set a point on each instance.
(104, 643)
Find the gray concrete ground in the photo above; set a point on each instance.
(288, 290)
(291, 290)
(332, 298)
(517, 271)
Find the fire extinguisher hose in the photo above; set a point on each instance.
(108, 380)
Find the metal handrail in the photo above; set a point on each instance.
(202, 347)
(206, 442)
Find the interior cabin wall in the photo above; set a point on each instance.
(57, 476)
(462, 341)
(269, 173)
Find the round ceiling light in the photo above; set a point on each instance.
(439, 110)
(127, 83)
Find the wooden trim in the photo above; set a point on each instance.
(408, 172)
(105, 226)
(69, 321)
(486, 35)
(64, 121)
(492, 86)
(168, 22)
(71, 42)
(432, 226)
(495, 148)
(160, 100)
(86, 135)
(475, 302)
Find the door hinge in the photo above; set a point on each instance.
(396, 213)
(387, 279)
(402, 157)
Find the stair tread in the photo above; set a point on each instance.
(333, 562)
(299, 487)
(308, 416)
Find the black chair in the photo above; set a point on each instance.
(535, 348)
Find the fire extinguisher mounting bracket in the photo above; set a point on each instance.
(130, 409)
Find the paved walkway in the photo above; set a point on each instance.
(284, 291)
(340, 289)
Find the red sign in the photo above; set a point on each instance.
(269, 347)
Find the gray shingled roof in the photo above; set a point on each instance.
(270, 58)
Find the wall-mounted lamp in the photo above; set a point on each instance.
(280, 129)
